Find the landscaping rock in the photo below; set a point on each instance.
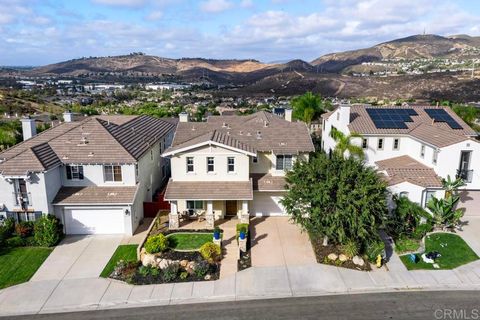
(190, 268)
(183, 263)
(342, 257)
(358, 261)
(208, 277)
(164, 263)
(332, 257)
(148, 260)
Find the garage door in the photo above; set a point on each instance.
(267, 204)
(470, 200)
(94, 221)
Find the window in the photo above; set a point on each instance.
(380, 144)
(151, 155)
(112, 173)
(136, 172)
(428, 195)
(284, 162)
(74, 172)
(396, 144)
(210, 164)
(255, 160)
(364, 143)
(404, 194)
(231, 164)
(435, 156)
(422, 151)
(194, 205)
(190, 167)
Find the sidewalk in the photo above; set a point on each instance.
(254, 283)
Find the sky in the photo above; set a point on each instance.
(38, 32)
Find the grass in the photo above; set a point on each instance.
(188, 241)
(454, 250)
(127, 252)
(405, 245)
(18, 265)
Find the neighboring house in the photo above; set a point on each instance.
(412, 146)
(93, 174)
(233, 165)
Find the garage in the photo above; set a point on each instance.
(94, 221)
(267, 204)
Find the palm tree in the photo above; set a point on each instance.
(451, 186)
(307, 107)
(444, 212)
(344, 143)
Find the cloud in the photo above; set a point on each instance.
(246, 3)
(121, 3)
(154, 15)
(215, 6)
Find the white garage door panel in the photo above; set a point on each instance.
(267, 204)
(94, 221)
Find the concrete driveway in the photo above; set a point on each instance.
(78, 257)
(278, 242)
(471, 232)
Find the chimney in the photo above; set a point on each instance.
(344, 114)
(68, 116)
(288, 115)
(29, 128)
(184, 117)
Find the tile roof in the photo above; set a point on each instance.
(95, 195)
(267, 182)
(209, 190)
(422, 127)
(102, 139)
(406, 169)
(261, 131)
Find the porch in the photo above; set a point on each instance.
(206, 202)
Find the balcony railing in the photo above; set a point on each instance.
(22, 198)
(465, 175)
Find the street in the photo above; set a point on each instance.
(397, 305)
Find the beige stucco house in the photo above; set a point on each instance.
(233, 165)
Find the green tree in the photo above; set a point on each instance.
(338, 198)
(406, 217)
(307, 107)
(444, 212)
(345, 144)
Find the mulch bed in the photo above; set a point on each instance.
(321, 253)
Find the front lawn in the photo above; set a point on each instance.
(18, 265)
(127, 252)
(454, 250)
(403, 245)
(188, 241)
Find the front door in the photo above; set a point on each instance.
(231, 208)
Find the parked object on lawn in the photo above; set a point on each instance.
(413, 257)
(433, 255)
(427, 260)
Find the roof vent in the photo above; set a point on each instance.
(193, 128)
(259, 135)
(228, 133)
(224, 125)
(241, 133)
(283, 143)
(249, 134)
(91, 154)
(83, 141)
(265, 123)
(65, 157)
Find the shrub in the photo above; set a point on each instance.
(6, 229)
(422, 230)
(242, 227)
(144, 271)
(155, 244)
(14, 242)
(350, 248)
(170, 273)
(211, 251)
(375, 248)
(24, 229)
(47, 231)
(202, 268)
(30, 241)
(406, 217)
(184, 275)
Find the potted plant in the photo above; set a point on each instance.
(242, 233)
(216, 233)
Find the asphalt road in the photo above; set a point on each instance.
(399, 305)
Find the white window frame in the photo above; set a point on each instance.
(212, 164)
(422, 151)
(112, 166)
(435, 157)
(190, 167)
(284, 162)
(404, 194)
(197, 205)
(381, 142)
(397, 141)
(73, 167)
(364, 143)
(230, 166)
(432, 193)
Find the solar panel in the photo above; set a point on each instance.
(391, 118)
(440, 115)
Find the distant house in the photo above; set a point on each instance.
(413, 147)
(94, 174)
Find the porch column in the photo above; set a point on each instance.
(244, 215)
(173, 220)
(209, 216)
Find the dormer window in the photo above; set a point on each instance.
(190, 167)
(112, 173)
(74, 172)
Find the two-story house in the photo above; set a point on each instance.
(233, 165)
(93, 174)
(412, 146)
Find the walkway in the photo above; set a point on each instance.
(278, 242)
(78, 257)
(229, 248)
